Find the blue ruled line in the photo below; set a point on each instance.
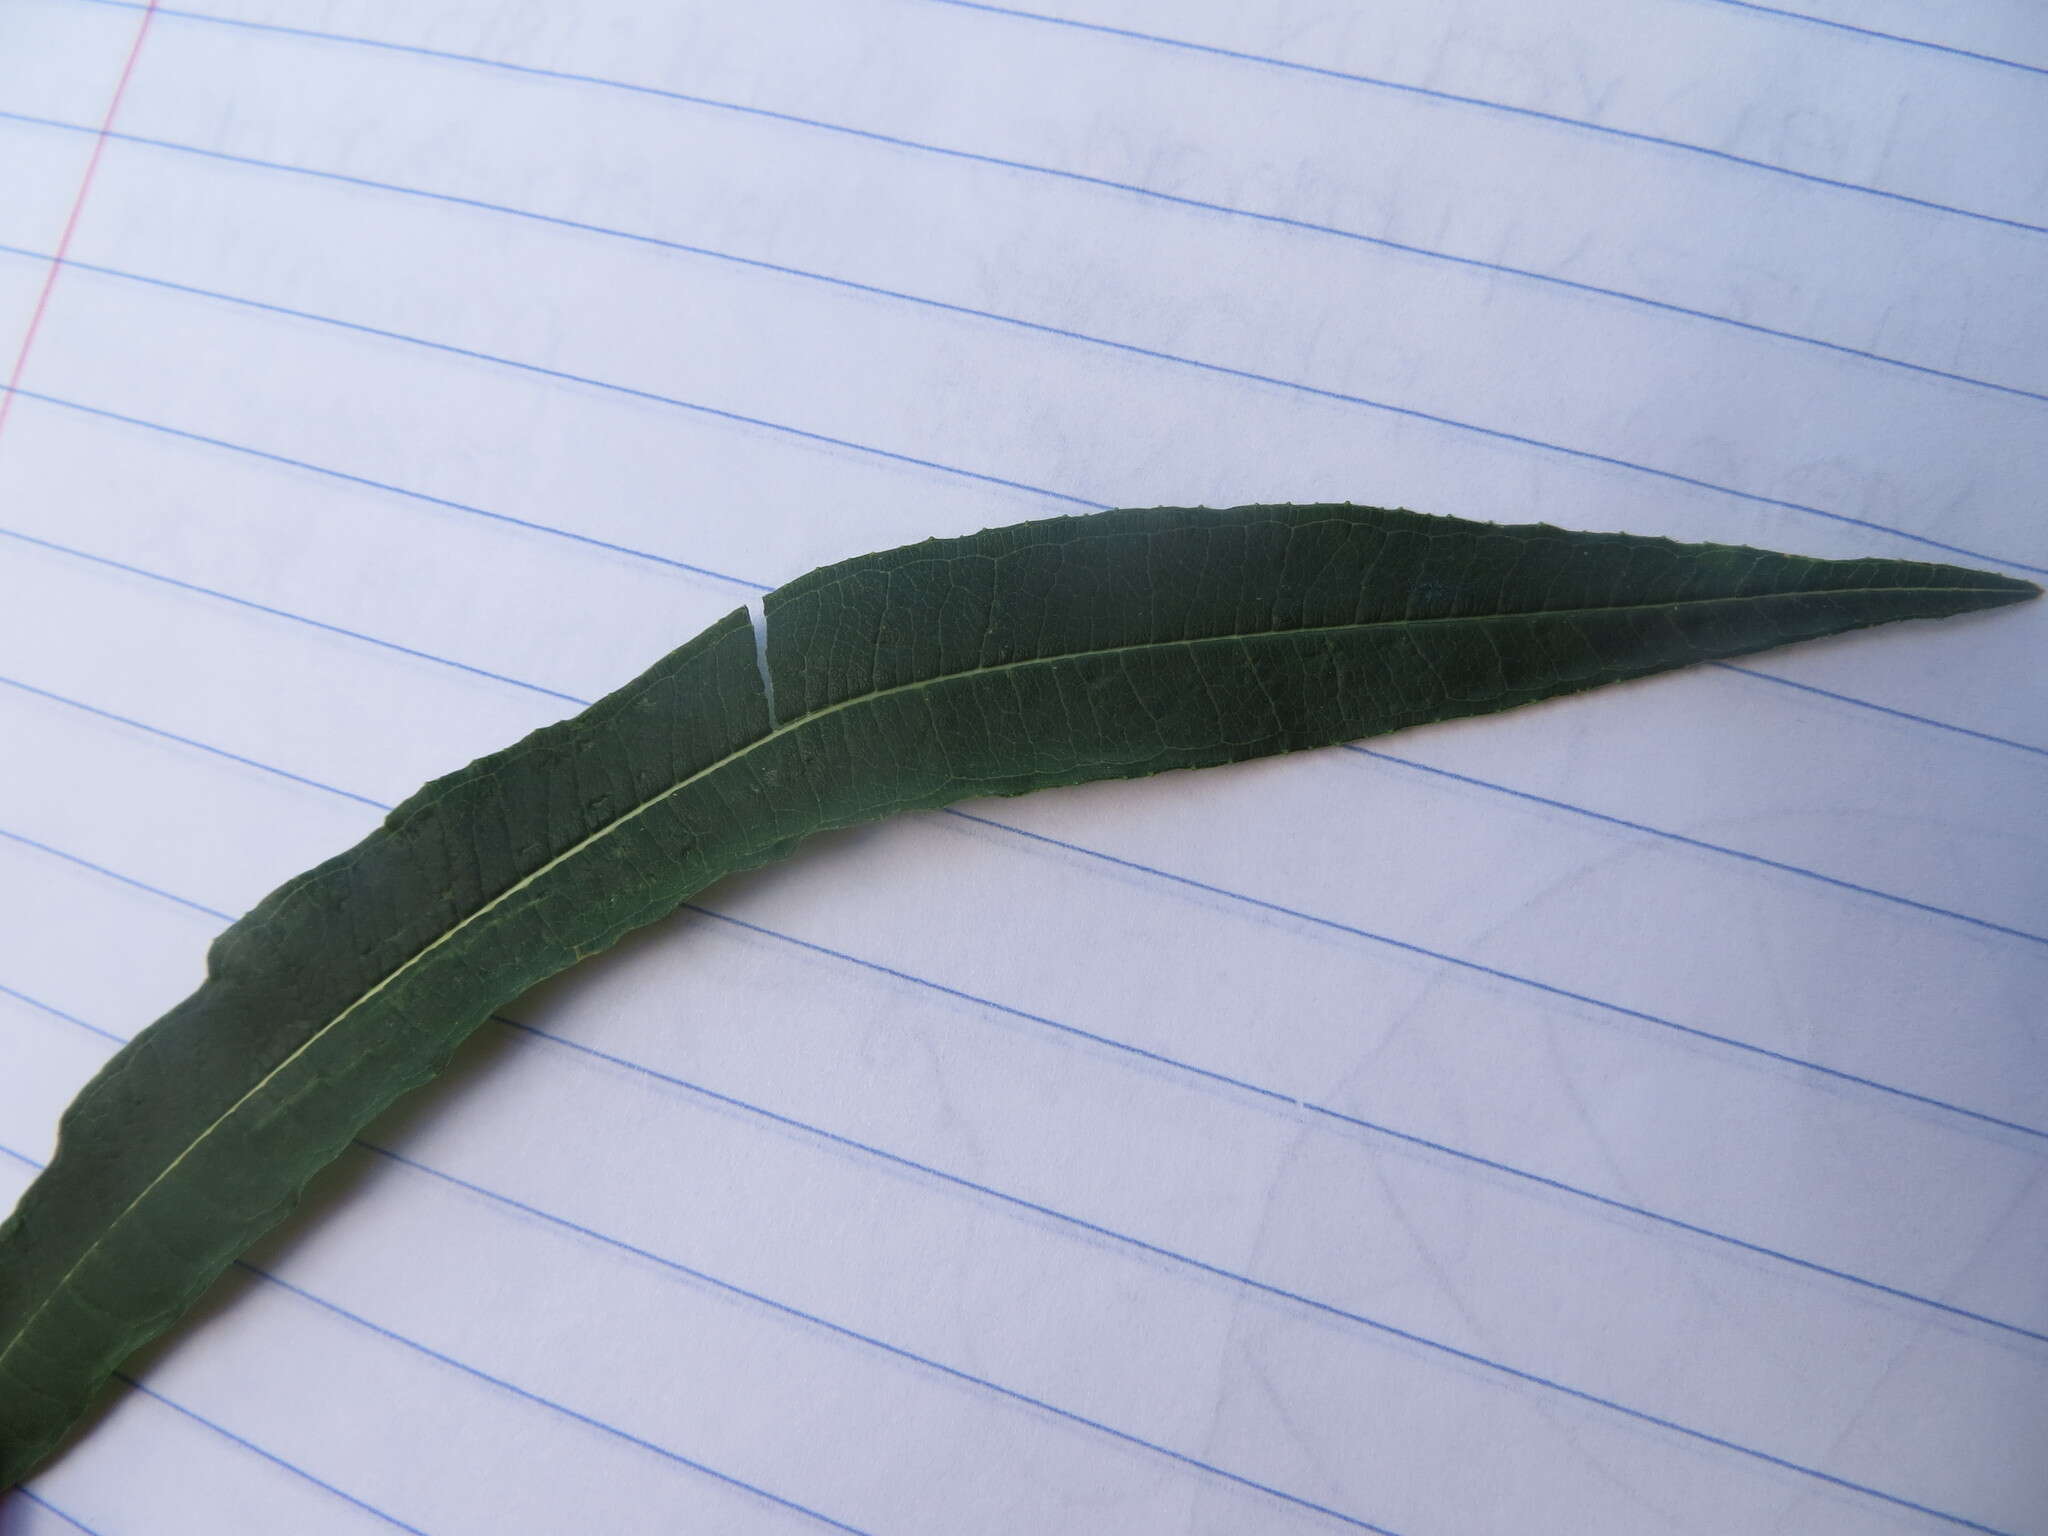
(108, 714)
(36, 1498)
(1307, 226)
(68, 1018)
(1494, 434)
(1888, 37)
(101, 869)
(1454, 99)
(1883, 709)
(269, 1456)
(742, 581)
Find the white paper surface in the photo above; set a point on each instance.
(1629, 1115)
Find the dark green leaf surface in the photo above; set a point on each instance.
(1048, 653)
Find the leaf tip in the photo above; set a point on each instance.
(2001, 590)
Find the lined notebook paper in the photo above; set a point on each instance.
(1628, 1115)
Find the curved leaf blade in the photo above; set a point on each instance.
(1049, 653)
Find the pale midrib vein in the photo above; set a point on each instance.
(542, 870)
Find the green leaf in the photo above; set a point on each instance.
(1048, 653)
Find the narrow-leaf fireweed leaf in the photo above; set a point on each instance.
(1107, 646)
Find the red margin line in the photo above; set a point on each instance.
(92, 165)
